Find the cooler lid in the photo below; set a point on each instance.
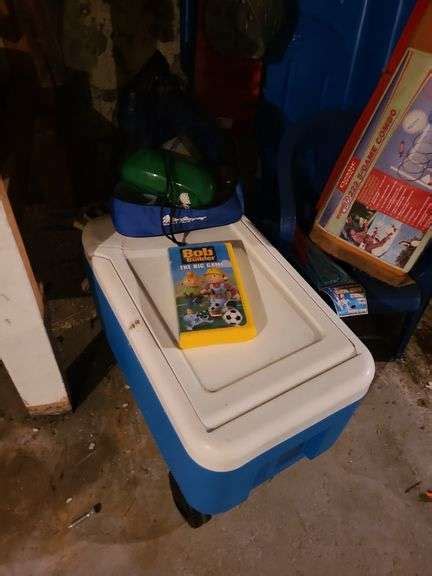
(298, 335)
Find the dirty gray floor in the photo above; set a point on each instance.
(345, 513)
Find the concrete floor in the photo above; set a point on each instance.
(345, 513)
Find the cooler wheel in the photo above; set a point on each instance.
(194, 518)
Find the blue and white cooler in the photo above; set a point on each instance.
(227, 417)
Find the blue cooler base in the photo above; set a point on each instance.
(207, 491)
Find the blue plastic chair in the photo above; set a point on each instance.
(312, 97)
(303, 159)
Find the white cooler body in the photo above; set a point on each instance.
(227, 417)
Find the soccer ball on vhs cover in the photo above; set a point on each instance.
(232, 317)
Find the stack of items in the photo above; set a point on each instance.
(164, 193)
(237, 365)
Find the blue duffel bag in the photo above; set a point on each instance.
(141, 220)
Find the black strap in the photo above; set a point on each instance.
(170, 200)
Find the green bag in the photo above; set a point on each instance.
(163, 177)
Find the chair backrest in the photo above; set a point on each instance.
(335, 55)
(330, 65)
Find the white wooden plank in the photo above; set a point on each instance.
(25, 348)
